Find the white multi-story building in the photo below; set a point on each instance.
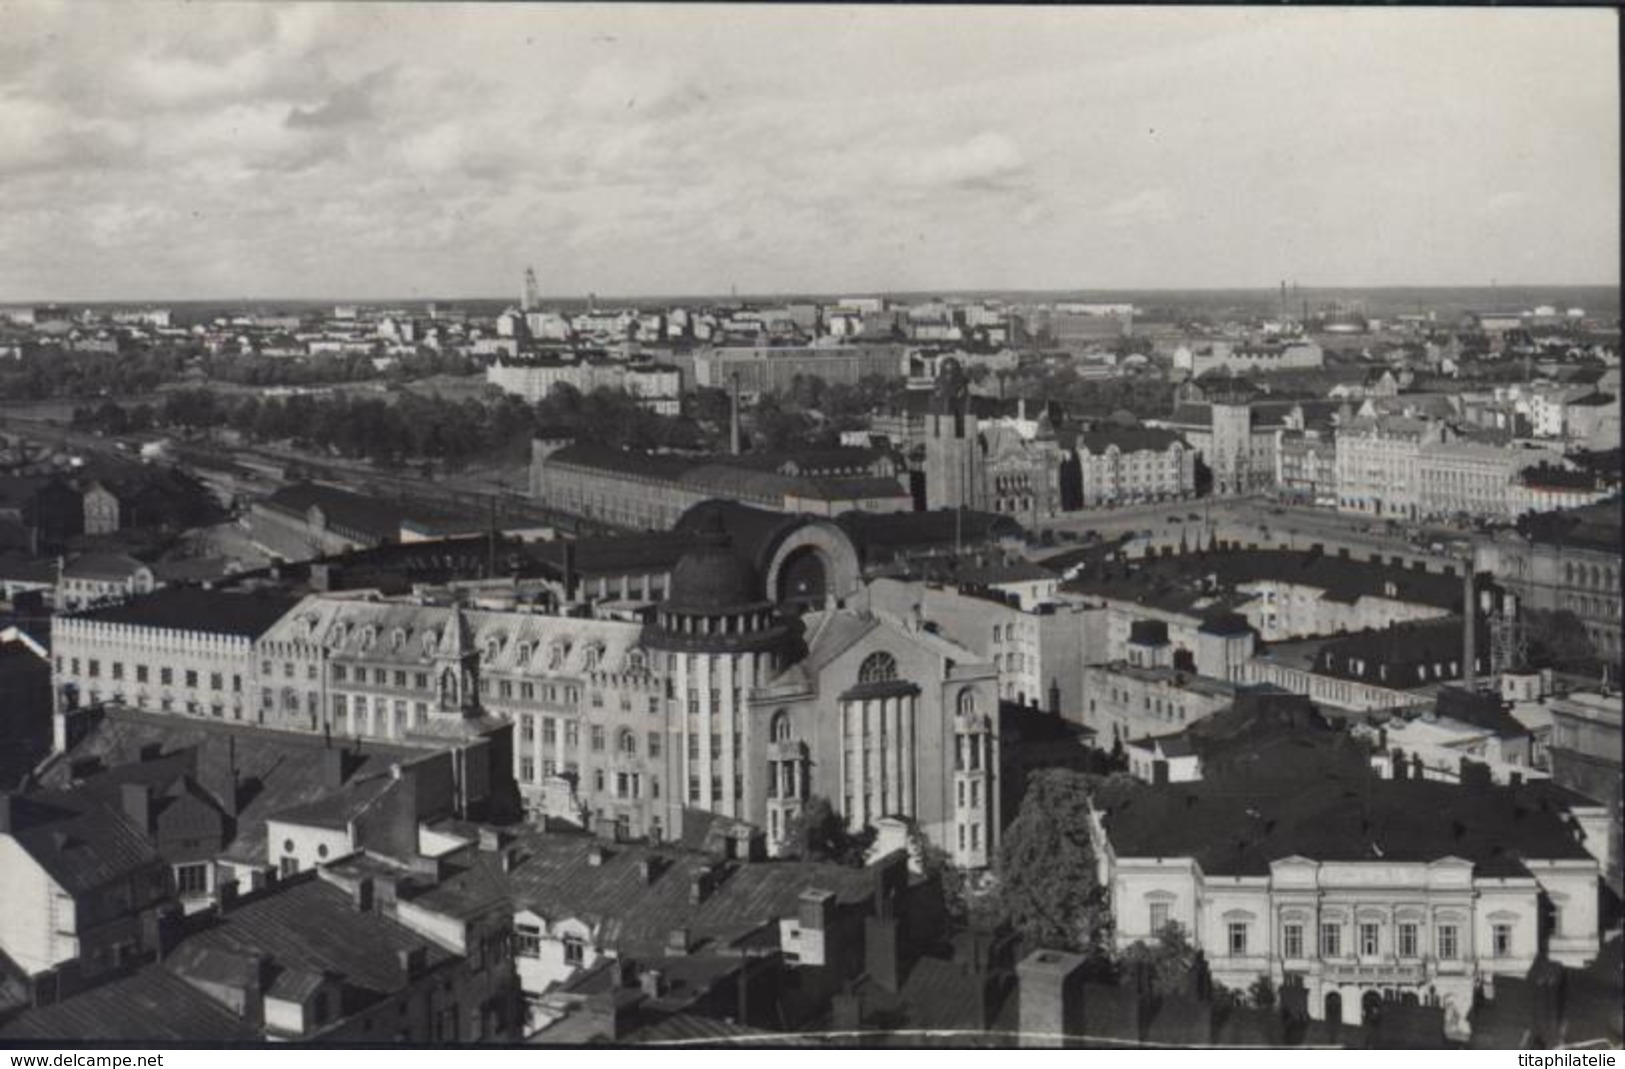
(1377, 465)
(1119, 465)
(180, 650)
(1350, 892)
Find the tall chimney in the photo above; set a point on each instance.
(733, 413)
(1469, 610)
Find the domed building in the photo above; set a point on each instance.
(715, 637)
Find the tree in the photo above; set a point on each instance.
(1171, 963)
(967, 903)
(1261, 995)
(1047, 887)
(820, 834)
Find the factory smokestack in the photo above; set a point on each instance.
(1469, 612)
(733, 413)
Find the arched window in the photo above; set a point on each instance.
(967, 702)
(878, 668)
(397, 639)
(628, 742)
(595, 653)
(780, 731)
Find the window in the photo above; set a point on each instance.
(1368, 940)
(1331, 940)
(693, 788)
(192, 880)
(654, 744)
(1501, 940)
(575, 950)
(693, 747)
(572, 734)
(527, 729)
(967, 702)
(781, 726)
(1238, 938)
(1159, 917)
(622, 785)
(598, 736)
(1448, 948)
(1292, 941)
(140, 673)
(166, 676)
(527, 941)
(1407, 940)
(598, 779)
(628, 742)
(527, 769)
(878, 668)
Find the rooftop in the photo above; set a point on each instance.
(194, 609)
(1239, 828)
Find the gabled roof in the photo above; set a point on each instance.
(277, 770)
(115, 566)
(152, 1004)
(80, 843)
(553, 878)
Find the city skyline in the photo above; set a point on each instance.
(304, 151)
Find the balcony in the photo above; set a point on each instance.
(1385, 973)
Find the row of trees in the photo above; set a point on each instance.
(402, 425)
(44, 374)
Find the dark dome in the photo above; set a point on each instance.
(712, 579)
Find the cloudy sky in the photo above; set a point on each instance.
(304, 150)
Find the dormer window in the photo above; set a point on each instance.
(525, 649)
(397, 639)
(556, 654)
(369, 635)
(493, 646)
(595, 653)
(636, 662)
(430, 640)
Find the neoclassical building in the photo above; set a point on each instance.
(1344, 886)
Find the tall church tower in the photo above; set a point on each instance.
(953, 449)
(528, 297)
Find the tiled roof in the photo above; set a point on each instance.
(101, 566)
(278, 769)
(1127, 439)
(1239, 828)
(192, 609)
(152, 1004)
(352, 512)
(553, 878)
(313, 927)
(82, 844)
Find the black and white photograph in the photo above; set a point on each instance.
(753, 526)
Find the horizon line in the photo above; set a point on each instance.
(813, 294)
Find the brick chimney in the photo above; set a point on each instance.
(1051, 997)
(136, 801)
